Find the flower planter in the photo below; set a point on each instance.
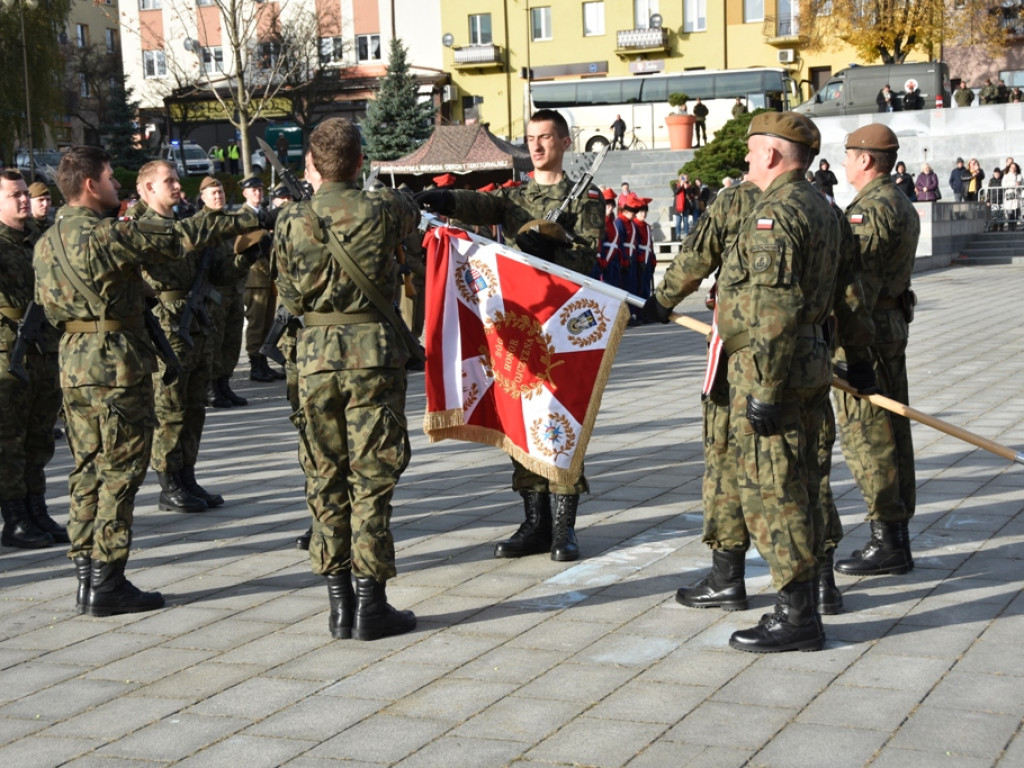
(680, 131)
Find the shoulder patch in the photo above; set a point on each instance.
(762, 261)
(765, 223)
(856, 218)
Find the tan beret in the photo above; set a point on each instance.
(244, 242)
(874, 136)
(785, 125)
(209, 181)
(38, 189)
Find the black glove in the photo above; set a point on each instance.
(655, 312)
(765, 418)
(260, 250)
(536, 244)
(440, 201)
(267, 217)
(860, 376)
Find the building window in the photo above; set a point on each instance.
(332, 50)
(83, 86)
(154, 63)
(642, 12)
(540, 23)
(695, 16)
(267, 55)
(213, 60)
(111, 40)
(368, 47)
(82, 35)
(150, 5)
(593, 19)
(753, 10)
(201, 3)
(480, 29)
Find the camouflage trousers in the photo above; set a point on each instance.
(225, 339)
(877, 445)
(355, 447)
(525, 480)
(832, 532)
(110, 430)
(778, 476)
(27, 415)
(724, 525)
(181, 405)
(260, 306)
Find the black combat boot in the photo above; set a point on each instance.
(302, 540)
(217, 397)
(830, 599)
(83, 570)
(723, 587)
(111, 593)
(259, 370)
(343, 604)
(174, 497)
(563, 528)
(36, 506)
(534, 535)
(795, 625)
(905, 543)
(223, 385)
(20, 529)
(278, 375)
(884, 553)
(187, 477)
(375, 618)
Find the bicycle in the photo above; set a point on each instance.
(635, 142)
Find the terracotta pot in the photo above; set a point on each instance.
(680, 131)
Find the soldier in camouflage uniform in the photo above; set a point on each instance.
(88, 281)
(180, 405)
(27, 411)
(550, 509)
(227, 275)
(877, 445)
(352, 381)
(775, 292)
(259, 299)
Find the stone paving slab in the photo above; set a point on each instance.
(531, 663)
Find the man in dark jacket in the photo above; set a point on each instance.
(959, 175)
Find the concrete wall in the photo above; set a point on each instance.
(945, 229)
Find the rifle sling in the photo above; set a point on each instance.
(385, 307)
(76, 280)
(12, 313)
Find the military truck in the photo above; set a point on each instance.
(854, 91)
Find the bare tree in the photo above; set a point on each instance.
(311, 80)
(90, 75)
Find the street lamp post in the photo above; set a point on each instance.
(22, 5)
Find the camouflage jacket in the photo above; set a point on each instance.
(515, 206)
(855, 329)
(108, 255)
(370, 225)
(887, 227)
(703, 251)
(778, 276)
(16, 283)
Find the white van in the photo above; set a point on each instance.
(190, 159)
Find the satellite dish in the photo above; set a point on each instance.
(190, 44)
(448, 40)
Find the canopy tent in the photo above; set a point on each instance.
(471, 152)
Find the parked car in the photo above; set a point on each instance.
(190, 159)
(46, 162)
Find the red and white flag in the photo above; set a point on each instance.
(517, 357)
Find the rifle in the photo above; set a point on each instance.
(581, 188)
(162, 345)
(269, 347)
(30, 331)
(195, 303)
(288, 177)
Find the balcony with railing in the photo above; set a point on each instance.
(649, 40)
(1011, 18)
(481, 56)
(783, 30)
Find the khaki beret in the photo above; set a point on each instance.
(785, 125)
(209, 181)
(244, 242)
(874, 136)
(252, 181)
(38, 189)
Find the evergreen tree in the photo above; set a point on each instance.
(725, 155)
(397, 121)
(122, 129)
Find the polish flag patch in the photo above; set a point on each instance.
(857, 218)
(765, 223)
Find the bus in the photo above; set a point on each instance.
(591, 104)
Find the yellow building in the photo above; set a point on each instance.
(495, 48)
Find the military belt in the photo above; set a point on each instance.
(165, 296)
(12, 313)
(103, 326)
(888, 303)
(742, 339)
(341, 318)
